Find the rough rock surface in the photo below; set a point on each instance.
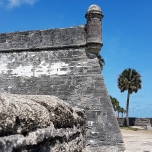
(39, 123)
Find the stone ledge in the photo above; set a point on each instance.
(43, 39)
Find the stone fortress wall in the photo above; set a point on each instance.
(133, 121)
(63, 63)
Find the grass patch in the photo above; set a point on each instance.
(129, 128)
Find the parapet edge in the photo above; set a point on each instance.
(43, 39)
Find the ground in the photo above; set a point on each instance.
(137, 141)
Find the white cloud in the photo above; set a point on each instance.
(13, 3)
(16, 3)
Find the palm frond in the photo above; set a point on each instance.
(129, 80)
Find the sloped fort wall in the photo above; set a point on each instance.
(63, 63)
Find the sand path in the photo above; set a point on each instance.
(137, 141)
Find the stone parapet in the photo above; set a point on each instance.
(43, 39)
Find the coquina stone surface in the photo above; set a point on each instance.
(40, 123)
(62, 63)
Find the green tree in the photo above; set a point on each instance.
(118, 109)
(129, 80)
(101, 61)
(114, 102)
(122, 111)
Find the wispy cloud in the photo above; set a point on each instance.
(16, 3)
(137, 96)
(141, 108)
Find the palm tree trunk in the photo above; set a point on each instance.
(127, 109)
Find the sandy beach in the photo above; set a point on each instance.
(137, 141)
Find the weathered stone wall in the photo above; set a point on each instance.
(135, 121)
(40, 124)
(43, 39)
(63, 63)
(62, 73)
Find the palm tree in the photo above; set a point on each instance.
(101, 61)
(122, 110)
(129, 80)
(118, 109)
(114, 102)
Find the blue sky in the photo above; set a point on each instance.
(127, 37)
